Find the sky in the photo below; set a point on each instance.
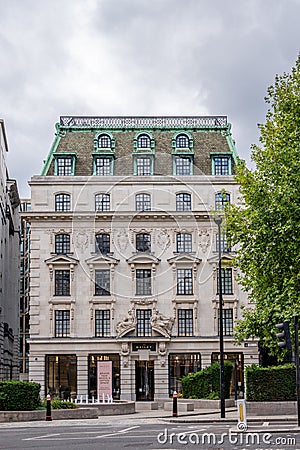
(137, 57)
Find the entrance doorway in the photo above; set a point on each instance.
(144, 378)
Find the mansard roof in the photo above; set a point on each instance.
(209, 135)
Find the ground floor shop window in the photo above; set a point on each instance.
(104, 370)
(61, 376)
(180, 365)
(237, 379)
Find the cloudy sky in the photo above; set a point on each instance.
(137, 57)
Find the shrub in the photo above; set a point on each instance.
(19, 395)
(59, 404)
(206, 382)
(275, 383)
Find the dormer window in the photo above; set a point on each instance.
(143, 141)
(104, 141)
(221, 164)
(64, 164)
(182, 141)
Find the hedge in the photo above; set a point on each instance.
(19, 395)
(206, 382)
(275, 383)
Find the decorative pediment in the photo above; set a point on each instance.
(215, 259)
(143, 258)
(100, 259)
(61, 259)
(184, 258)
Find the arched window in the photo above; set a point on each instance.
(183, 202)
(102, 202)
(143, 141)
(104, 141)
(143, 202)
(222, 198)
(62, 244)
(182, 141)
(62, 202)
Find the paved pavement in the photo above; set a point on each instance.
(263, 423)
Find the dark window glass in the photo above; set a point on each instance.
(226, 278)
(62, 282)
(183, 165)
(180, 365)
(102, 323)
(143, 202)
(143, 242)
(143, 166)
(183, 202)
(64, 166)
(185, 322)
(62, 202)
(184, 282)
(143, 322)
(143, 281)
(104, 141)
(62, 323)
(221, 200)
(227, 322)
(103, 166)
(102, 282)
(103, 243)
(184, 242)
(102, 202)
(182, 141)
(224, 244)
(143, 141)
(221, 165)
(62, 243)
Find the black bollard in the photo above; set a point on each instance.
(48, 410)
(175, 412)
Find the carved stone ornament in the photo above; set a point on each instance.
(127, 324)
(82, 240)
(204, 239)
(124, 349)
(163, 239)
(161, 324)
(122, 240)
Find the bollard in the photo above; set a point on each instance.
(175, 412)
(48, 410)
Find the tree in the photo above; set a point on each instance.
(266, 228)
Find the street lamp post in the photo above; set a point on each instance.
(218, 221)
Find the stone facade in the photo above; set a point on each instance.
(133, 284)
(9, 268)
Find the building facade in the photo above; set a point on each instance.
(9, 268)
(124, 256)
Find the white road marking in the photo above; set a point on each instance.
(41, 437)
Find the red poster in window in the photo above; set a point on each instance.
(104, 376)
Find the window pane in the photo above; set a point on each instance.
(143, 141)
(62, 323)
(184, 242)
(224, 244)
(103, 243)
(103, 166)
(62, 282)
(143, 202)
(227, 322)
(226, 281)
(183, 202)
(143, 281)
(62, 202)
(143, 242)
(102, 202)
(182, 165)
(184, 282)
(104, 141)
(64, 166)
(185, 322)
(102, 282)
(143, 318)
(221, 165)
(182, 141)
(102, 323)
(221, 200)
(143, 166)
(62, 243)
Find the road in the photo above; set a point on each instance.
(143, 435)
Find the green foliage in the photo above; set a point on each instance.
(271, 383)
(267, 226)
(19, 396)
(56, 403)
(206, 382)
